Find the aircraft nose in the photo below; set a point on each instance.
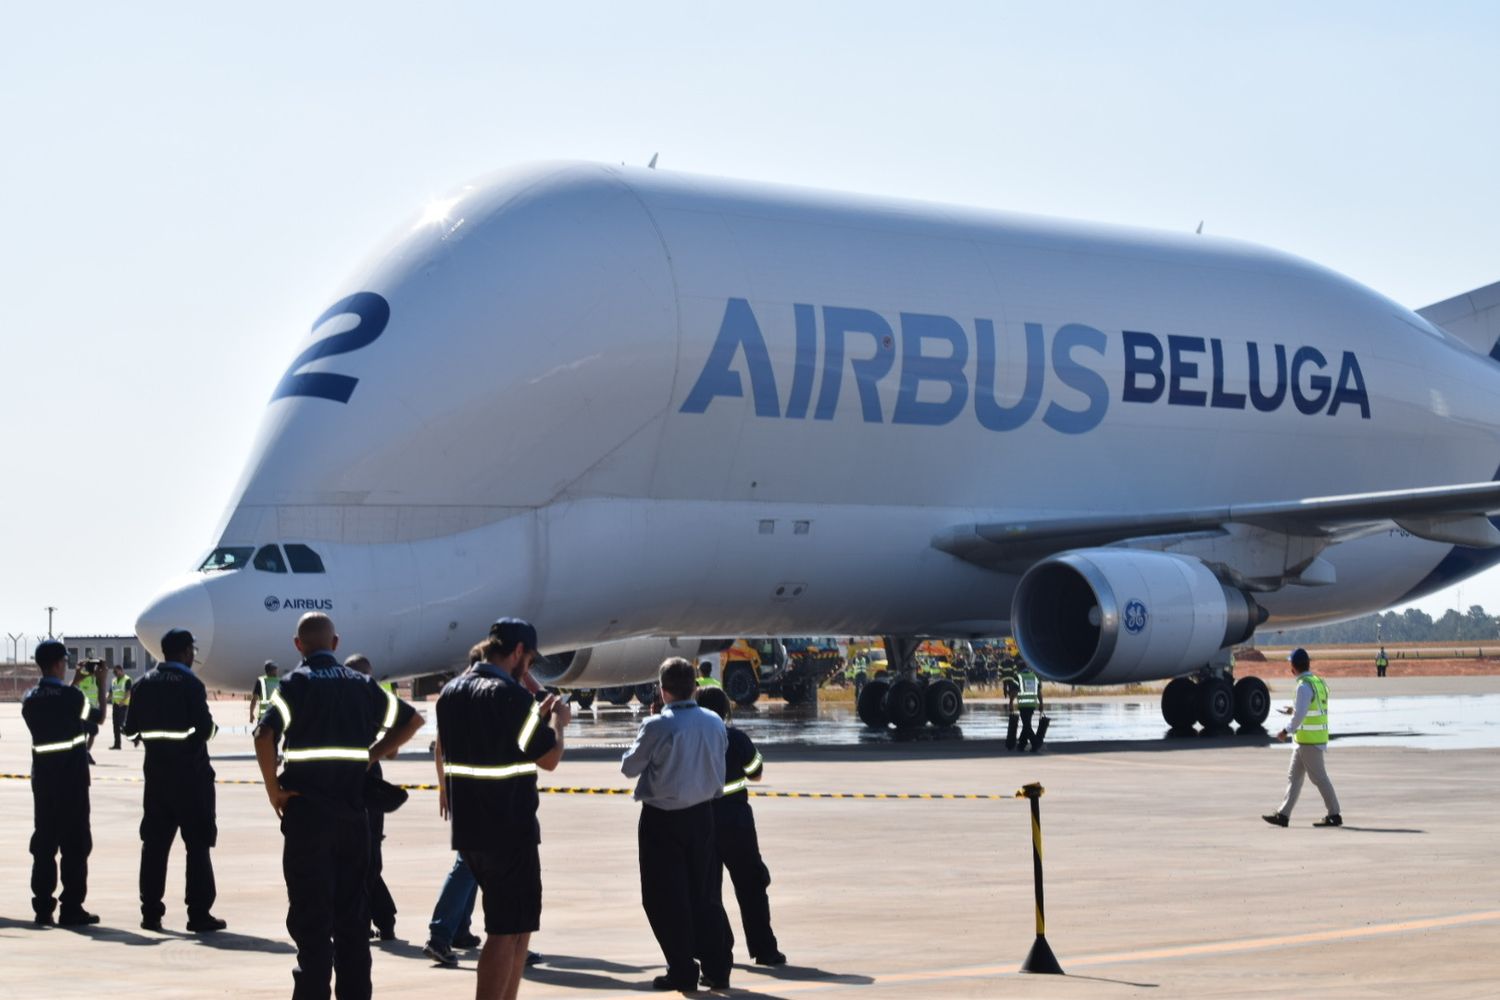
(185, 605)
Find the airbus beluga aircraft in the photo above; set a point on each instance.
(644, 410)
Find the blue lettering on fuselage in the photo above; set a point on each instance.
(929, 355)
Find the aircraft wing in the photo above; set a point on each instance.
(1457, 515)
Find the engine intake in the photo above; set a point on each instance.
(1115, 616)
(625, 661)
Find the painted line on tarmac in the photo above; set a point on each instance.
(559, 790)
(781, 986)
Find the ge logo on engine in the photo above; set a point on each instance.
(1135, 617)
(273, 603)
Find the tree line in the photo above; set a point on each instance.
(1411, 625)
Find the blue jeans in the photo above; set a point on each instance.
(455, 904)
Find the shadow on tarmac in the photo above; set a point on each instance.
(225, 940)
(806, 973)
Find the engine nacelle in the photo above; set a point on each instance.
(626, 661)
(1115, 616)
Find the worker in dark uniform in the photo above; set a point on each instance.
(381, 797)
(327, 717)
(495, 736)
(61, 720)
(169, 712)
(737, 843)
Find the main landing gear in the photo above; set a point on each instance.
(906, 700)
(1213, 699)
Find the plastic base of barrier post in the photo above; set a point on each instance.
(1041, 960)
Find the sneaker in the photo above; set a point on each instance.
(206, 924)
(771, 958)
(440, 953)
(77, 918)
(710, 983)
(151, 923)
(1276, 819)
(382, 933)
(532, 958)
(466, 941)
(44, 920)
(1333, 820)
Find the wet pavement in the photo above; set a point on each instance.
(1434, 722)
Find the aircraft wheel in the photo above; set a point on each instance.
(584, 698)
(945, 703)
(1215, 703)
(1177, 703)
(617, 695)
(872, 704)
(794, 692)
(906, 704)
(741, 684)
(1252, 702)
(647, 693)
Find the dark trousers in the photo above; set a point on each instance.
(739, 852)
(61, 812)
(678, 861)
(119, 714)
(176, 803)
(1028, 735)
(323, 859)
(382, 905)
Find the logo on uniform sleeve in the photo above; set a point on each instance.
(1135, 617)
(273, 603)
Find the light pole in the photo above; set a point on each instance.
(50, 610)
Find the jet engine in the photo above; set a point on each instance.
(1115, 616)
(623, 662)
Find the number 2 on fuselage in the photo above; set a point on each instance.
(374, 313)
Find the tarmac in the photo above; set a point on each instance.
(1160, 878)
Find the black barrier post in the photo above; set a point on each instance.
(1040, 958)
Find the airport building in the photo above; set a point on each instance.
(124, 650)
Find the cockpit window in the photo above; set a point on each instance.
(269, 559)
(226, 559)
(303, 559)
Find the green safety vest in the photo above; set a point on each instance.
(264, 688)
(1314, 728)
(389, 687)
(1381, 661)
(708, 682)
(119, 694)
(1031, 690)
(90, 688)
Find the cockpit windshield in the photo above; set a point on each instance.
(227, 559)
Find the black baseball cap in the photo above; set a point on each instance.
(1299, 657)
(514, 631)
(270, 665)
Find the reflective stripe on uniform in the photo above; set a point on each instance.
(359, 755)
(493, 773)
(87, 708)
(755, 763)
(76, 741)
(528, 728)
(736, 786)
(279, 703)
(1314, 728)
(392, 703)
(166, 734)
(1031, 689)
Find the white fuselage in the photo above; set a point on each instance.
(622, 403)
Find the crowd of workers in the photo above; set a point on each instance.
(320, 734)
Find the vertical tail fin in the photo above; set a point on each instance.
(1473, 317)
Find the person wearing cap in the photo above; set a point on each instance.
(1308, 727)
(381, 797)
(328, 719)
(735, 839)
(119, 701)
(678, 760)
(86, 679)
(260, 694)
(60, 720)
(169, 712)
(495, 737)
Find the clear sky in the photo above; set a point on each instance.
(183, 187)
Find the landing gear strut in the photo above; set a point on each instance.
(907, 701)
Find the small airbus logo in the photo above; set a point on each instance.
(273, 603)
(1135, 617)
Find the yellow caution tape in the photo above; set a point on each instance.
(559, 790)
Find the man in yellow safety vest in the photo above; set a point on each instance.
(119, 700)
(1309, 728)
(260, 695)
